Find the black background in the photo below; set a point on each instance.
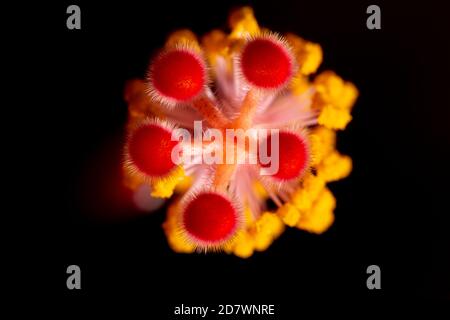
(392, 211)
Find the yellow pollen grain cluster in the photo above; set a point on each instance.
(334, 118)
(164, 188)
(320, 217)
(289, 214)
(217, 43)
(307, 192)
(309, 55)
(334, 99)
(171, 228)
(243, 23)
(267, 228)
(258, 236)
(335, 167)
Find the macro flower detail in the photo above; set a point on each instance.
(231, 194)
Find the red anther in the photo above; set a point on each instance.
(293, 155)
(266, 63)
(178, 75)
(150, 150)
(210, 219)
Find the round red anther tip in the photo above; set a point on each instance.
(266, 63)
(150, 150)
(178, 74)
(293, 155)
(210, 219)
